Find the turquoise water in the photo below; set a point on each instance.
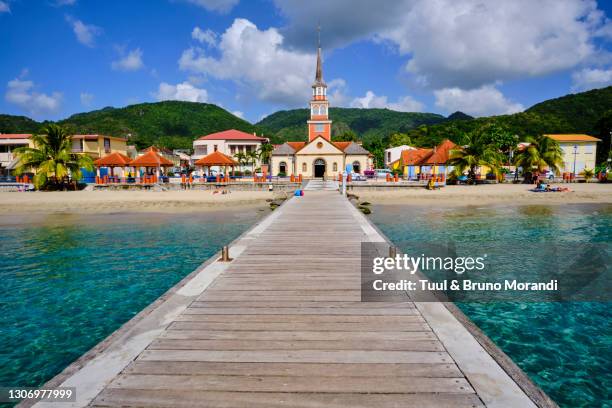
(68, 281)
(566, 348)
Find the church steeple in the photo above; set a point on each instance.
(319, 73)
(319, 123)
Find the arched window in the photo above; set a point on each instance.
(335, 166)
(323, 110)
(304, 167)
(356, 167)
(282, 167)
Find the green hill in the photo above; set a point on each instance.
(170, 123)
(585, 112)
(366, 123)
(18, 124)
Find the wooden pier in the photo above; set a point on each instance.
(282, 325)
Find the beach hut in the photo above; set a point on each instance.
(152, 163)
(217, 159)
(111, 161)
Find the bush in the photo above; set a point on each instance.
(282, 174)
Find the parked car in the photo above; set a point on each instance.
(382, 172)
(547, 174)
(358, 177)
(369, 173)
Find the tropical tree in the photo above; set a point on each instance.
(588, 174)
(541, 152)
(252, 157)
(476, 152)
(52, 159)
(265, 152)
(242, 159)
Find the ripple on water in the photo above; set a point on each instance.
(564, 347)
(71, 280)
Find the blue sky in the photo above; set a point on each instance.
(253, 58)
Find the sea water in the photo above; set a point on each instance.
(68, 281)
(564, 347)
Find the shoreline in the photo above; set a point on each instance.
(113, 202)
(489, 195)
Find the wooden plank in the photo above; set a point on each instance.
(314, 384)
(296, 335)
(244, 311)
(240, 326)
(295, 369)
(314, 319)
(350, 344)
(115, 397)
(299, 356)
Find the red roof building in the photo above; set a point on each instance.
(233, 134)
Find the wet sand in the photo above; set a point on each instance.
(104, 202)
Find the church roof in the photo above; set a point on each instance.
(341, 145)
(354, 148)
(319, 74)
(283, 150)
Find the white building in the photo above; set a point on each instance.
(228, 142)
(394, 153)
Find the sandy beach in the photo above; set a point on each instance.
(490, 194)
(129, 201)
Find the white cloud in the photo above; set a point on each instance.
(85, 33)
(132, 61)
(238, 113)
(484, 101)
(588, 78)
(336, 92)
(65, 2)
(4, 7)
(220, 6)
(459, 43)
(20, 93)
(86, 99)
(255, 59)
(371, 100)
(181, 92)
(207, 36)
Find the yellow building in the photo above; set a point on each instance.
(579, 151)
(98, 146)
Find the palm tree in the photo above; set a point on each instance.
(252, 156)
(265, 152)
(52, 158)
(588, 174)
(242, 159)
(476, 152)
(542, 152)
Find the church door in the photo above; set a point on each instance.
(319, 168)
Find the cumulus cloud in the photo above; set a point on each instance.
(337, 92)
(484, 101)
(130, 61)
(4, 7)
(86, 99)
(220, 6)
(371, 100)
(181, 92)
(256, 59)
(85, 33)
(207, 36)
(458, 43)
(21, 94)
(238, 113)
(588, 78)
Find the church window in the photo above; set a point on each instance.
(320, 145)
(319, 127)
(323, 110)
(303, 167)
(282, 167)
(335, 166)
(356, 167)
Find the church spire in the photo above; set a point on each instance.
(319, 73)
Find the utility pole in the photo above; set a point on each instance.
(575, 154)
